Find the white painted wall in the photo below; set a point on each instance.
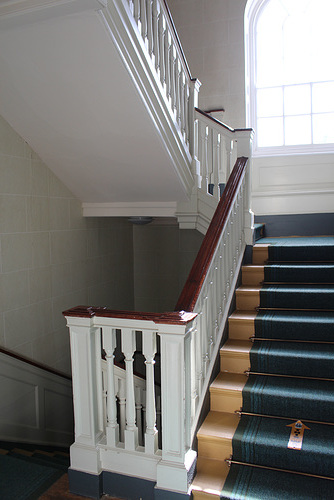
(211, 32)
(51, 257)
(163, 256)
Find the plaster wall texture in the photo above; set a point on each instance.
(163, 256)
(211, 33)
(51, 258)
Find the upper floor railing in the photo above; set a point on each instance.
(157, 30)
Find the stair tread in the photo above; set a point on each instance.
(248, 289)
(237, 346)
(252, 267)
(229, 381)
(243, 316)
(219, 425)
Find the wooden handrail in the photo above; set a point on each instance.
(168, 318)
(178, 40)
(192, 287)
(205, 113)
(34, 363)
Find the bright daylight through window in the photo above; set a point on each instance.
(292, 75)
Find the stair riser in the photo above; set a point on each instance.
(215, 449)
(241, 330)
(220, 401)
(260, 255)
(247, 301)
(252, 275)
(235, 364)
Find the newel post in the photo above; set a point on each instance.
(87, 391)
(178, 460)
(245, 148)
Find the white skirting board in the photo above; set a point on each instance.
(35, 405)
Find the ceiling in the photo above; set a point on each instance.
(66, 90)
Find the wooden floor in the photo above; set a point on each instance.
(60, 491)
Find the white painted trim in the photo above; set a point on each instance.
(293, 193)
(134, 463)
(124, 209)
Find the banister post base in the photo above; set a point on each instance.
(151, 443)
(113, 435)
(177, 476)
(85, 458)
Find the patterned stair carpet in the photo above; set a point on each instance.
(291, 379)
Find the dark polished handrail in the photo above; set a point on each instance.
(193, 285)
(36, 364)
(177, 39)
(167, 318)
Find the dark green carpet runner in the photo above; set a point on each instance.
(293, 358)
(296, 398)
(291, 378)
(264, 441)
(27, 477)
(300, 249)
(299, 273)
(251, 483)
(294, 325)
(297, 297)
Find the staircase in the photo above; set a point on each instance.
(269, 432)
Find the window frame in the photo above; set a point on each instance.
(252, 13)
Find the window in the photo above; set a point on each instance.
(290, 75)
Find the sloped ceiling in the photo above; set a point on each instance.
(66, 91)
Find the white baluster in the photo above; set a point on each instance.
(156, 35)
(172, 62)
(143, 19)
(149, 351)
(139, 420)
(122, 407)
(128, 348)
(109, 344)
(150, 26)
(162, 53)
(182, 90)
(199, 357)
(168, 56)
(215, 163)
(187, 119)
(136, 11)
(99, 387)
(224, 155)
(177, 76)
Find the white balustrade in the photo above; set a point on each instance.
(117, 410)
(158, 33)
(215, 148)
(215, 298)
